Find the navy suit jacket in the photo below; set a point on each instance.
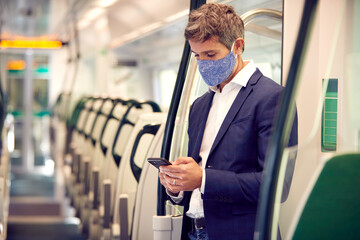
(236, 160)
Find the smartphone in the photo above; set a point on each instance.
(157, 162)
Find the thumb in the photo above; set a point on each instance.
(184, 160)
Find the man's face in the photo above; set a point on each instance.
(211, 49)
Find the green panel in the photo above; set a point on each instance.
(333, 210)
(331, 94)
(330, 131)
(332, 116)
(330, 123)
(42, 70)
(330, 139)
(15, 71)
(329, 117)
(330, 105)
(330, 145)
(332, 86)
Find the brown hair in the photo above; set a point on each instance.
(215, 20)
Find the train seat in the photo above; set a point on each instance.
(109, 170)
(72, 177)
(130, 169)
(59, 132)
(86, 121)
(112, 162)
(102, 149)
(92, 134)
(65, 157)
(84, 150)
(81, 122)
(146, 195)
(102, 139)
(89, 124)
(332, 210)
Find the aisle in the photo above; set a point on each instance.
(44, 231)
(39, 211)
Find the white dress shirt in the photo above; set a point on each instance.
(220, 106)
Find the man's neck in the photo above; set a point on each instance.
(241, 65)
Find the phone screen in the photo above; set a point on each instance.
(157, 162)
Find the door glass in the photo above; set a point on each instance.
(327, 106)
(28, 102)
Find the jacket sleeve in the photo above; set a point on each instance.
(244, 187)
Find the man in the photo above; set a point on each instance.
(229, 130)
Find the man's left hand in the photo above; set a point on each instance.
(186, 173)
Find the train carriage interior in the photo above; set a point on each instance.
(89, 89)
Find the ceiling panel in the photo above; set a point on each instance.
(25, 17)
(127, 17)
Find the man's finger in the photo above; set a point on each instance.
(170, 169)
(183, 160)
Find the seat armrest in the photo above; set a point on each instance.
(107, 203)
(95, 188)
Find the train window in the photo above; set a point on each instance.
(263, 37)
(194, 87)
(19, 69)
(164, 82)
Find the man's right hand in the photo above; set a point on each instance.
(183, 175)
(167, 184)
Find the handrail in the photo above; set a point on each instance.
(251, 15)
(260, 12)
(283, 122)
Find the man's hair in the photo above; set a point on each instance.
(215, 20)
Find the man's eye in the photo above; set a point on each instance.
(211, 55)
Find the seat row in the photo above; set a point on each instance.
(108, 180)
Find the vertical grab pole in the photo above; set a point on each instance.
(170, 122)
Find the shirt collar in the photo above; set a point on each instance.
(241, 77)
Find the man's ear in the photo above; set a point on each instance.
(239, 44)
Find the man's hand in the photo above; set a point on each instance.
(183, 175)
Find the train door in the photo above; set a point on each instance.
(28, 87)
(319, 63)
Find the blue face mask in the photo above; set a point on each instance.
(215, 72)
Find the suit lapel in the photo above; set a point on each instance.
(235, 107)
(203, 115)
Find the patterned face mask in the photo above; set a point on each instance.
(215, 72)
